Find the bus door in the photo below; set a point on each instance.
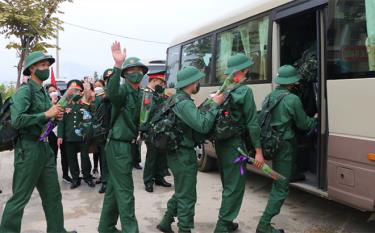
(298, 40)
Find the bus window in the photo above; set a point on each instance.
(351, 39)
(173, 63)
(198, 54)
(250, 38)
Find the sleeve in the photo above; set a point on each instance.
(21, 102)
(250, 116)
(199, 121)
(115, 93)
(299, 116)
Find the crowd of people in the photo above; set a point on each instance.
(113, 110)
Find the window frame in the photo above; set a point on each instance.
(213, 34)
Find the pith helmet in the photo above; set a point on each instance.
(238, 62)
(133, 62)
(34, 58)
(187, 76)
(286, 75)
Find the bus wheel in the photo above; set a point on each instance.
(205, 162)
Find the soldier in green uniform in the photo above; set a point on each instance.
(242, 109)
(126, 103)
(183, 161)
(156, 160)
(34, 162)
(68, 132)
(287, 115)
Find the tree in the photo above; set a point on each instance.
(32, 22)
(96, 76)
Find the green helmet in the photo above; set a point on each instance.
(286, 75)
(133, 62)
(34, 58)
(187, 76)
(238, 62)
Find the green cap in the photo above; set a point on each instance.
(287, 74)
(133, 62)
(34, 58)
(187, 76)
(238, 62)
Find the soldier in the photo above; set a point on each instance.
(285, 116)
(241, 107)
(103, 114)
(125, 100)
(183, 162)
(68, 132)
(156, 160)
(34, 164)
(52, 138)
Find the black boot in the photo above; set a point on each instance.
(162, 182)
(149, 187)
(103, 188)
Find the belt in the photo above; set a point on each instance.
(134, 141)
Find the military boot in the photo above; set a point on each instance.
(165, 224)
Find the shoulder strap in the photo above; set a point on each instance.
(269, 107)
(32, 95)
(171, 102)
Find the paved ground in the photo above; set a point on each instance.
(302, 212)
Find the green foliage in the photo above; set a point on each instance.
(7, 91)
(32, 22)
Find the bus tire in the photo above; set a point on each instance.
(205, 162)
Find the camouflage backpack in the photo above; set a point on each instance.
(270, 138)
(162, 131)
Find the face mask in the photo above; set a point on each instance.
(98, 90)
(197, 89)
(42, 74)
(159, 89)
(248, 75)
(76, 98)
(134, 77)
(54, 94)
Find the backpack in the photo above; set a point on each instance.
(101, 122)
(163, 131)
(8, 134)
(224, 127)
(270, 138)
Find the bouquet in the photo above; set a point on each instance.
(146, 106)
(69, 96)
(245, 158)
(230, 83)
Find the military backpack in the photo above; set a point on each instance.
(162, 130)
(270, 137)
(8, 134)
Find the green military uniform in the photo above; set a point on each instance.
(183, 161)
(242, 109)
(34, 161)
(119, 197)
(286, 115)
(75, 143)
(156, 160)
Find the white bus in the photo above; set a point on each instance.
(339, 163)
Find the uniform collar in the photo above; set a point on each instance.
(36, 86)
(181, 92)
(281, 88)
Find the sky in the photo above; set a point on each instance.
(84, 52)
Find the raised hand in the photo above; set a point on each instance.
(118, 55)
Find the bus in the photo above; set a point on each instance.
(338, 38)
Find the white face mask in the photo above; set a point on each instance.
(98, 90)
(54, 94)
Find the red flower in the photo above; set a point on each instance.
(237, 79)
(226, 113)
(146, 101)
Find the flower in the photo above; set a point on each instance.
(146, 101)
(237, 79)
